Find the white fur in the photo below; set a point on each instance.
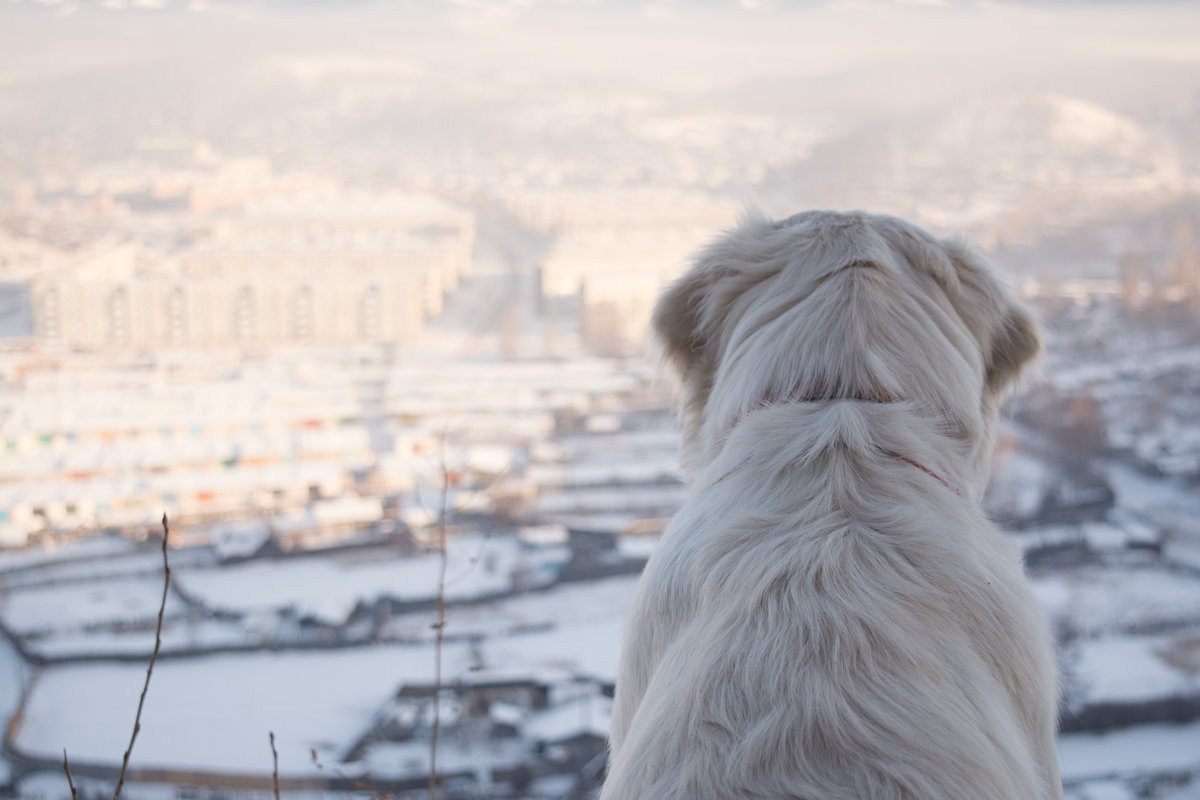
(825, 620)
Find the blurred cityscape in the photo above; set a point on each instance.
(323, 299)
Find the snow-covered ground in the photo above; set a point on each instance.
(329, 588)
(120, 563)
(179, 633)
(1096, 599)
(1143, 493)
(216, 713)
(81, 551)
(1119, 669)
(568, 609)
(1120, 753)
(109, 607)
(73, 606)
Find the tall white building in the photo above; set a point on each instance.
(322, 269)
(221, 311)
(617, 249)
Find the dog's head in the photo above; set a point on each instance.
(827, 305)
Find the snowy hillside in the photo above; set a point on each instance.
(1008, 159)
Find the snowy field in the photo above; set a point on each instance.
(216, 712)
(75, 606)
(1122, 753)
(1132, 624)
(1119, 669)
(568, 607)
(20, 573)
(1097, 599)
(329, 588)
(70, 611)
(86, 551)
(179, 633)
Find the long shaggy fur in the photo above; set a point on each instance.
(825, 618)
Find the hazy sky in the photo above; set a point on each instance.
(689, 45)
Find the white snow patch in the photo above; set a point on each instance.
(1152, 747)
(330, 588)
(1098, 599)
(216, 713)
(1131, 669)
(74, 606)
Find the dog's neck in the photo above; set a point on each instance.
(831, 393)
(882, 398)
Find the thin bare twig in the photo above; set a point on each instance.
(439, 627)
(274, 765)
(162, 607)
(71, 783)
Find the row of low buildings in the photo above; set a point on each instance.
(89, 442)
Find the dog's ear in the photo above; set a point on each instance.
(1015, 344)
(688, 313)
(677, 319)
(678, 324)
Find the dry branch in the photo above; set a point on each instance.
(71, 783)
(439, 626)
(274, 765)
(137, 720)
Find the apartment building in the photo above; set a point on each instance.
(330, 268)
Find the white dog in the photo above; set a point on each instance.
(830, 616)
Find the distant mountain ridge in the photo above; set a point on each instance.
(994, 159)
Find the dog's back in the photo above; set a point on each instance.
(826, 621)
